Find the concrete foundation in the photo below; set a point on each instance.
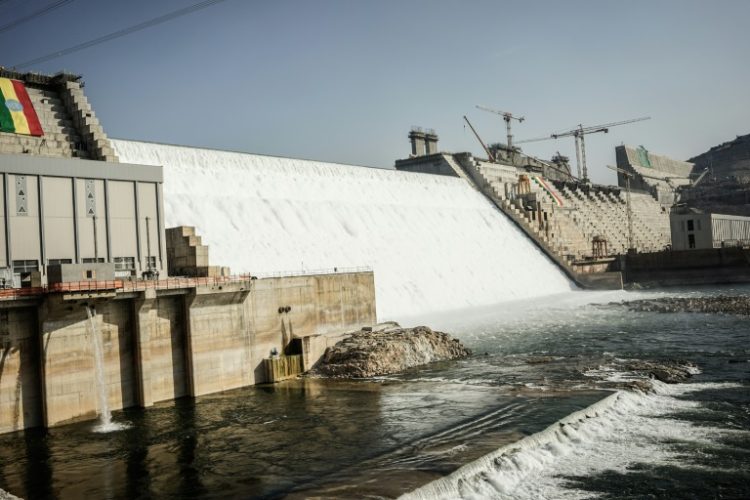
(162, 344)
(687, 268)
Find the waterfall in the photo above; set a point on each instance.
(433, 242)
(105, 415)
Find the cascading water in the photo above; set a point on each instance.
(105, 415)
(434, 243)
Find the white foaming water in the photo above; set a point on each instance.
(620, 430)
(105, 415)
(434, 243)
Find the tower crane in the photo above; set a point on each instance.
(578, 135)
(507, 117)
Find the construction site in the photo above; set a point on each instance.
(640, 232)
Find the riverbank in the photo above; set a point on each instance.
(722, 304)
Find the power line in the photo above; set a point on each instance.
(120, 33)
(29, 17)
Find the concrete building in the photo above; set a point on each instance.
(82, 248)
(66, 199)
(693, 230)
(657, 175)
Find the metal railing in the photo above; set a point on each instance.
(175, 283)
(17, 293)
(84, 286)
(164, 284)
(310, 272)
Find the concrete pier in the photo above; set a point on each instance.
(162, 344)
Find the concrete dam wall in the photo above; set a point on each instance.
(162, 344)
(433, 242)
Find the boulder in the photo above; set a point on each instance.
(376, 352)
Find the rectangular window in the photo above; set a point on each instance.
(89, 274)
(91, 260)
(55, 262)
(25, 266)
(124, 263)
(690, 225)
(691, 240)
(151, 262)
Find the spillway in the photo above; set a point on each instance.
(434, 243)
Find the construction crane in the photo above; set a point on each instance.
(507, 117)
(578, 135)
(627, 176)
(490, 156)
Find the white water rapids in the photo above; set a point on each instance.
(434, 243)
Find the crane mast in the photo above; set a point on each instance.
(578, 135)
(507, 117)
(629, 208)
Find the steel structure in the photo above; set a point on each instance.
(627, 176)
(507, 117)
(578, 135)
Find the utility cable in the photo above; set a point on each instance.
(120, 33)
(29, 17)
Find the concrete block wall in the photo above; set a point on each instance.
(69, 381)
(61, 138)
(20, 370)
(188, 256)
(219, 340)
(161, 348)
(161, 345)
(95, 140)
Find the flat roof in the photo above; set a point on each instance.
(50, 166)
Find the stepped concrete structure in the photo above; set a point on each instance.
(187, 256)
(71, 129)
(660, 176)
(582, 227)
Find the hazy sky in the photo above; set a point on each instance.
(344, 81)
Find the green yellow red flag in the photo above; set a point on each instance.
(17, 114)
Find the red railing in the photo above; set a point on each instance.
(174, 283)
(16, 293)
(85, 286)
(141, 285)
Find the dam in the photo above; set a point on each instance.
(111, 309)
(433, 242)
(97, 316)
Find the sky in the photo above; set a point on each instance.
(345, 80)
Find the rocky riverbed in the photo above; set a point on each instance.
(385, 350)
(722, 304)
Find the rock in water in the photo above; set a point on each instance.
(368, 353)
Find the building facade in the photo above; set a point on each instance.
(66, 199)
(693, 230)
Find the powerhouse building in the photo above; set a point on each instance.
(66, 198)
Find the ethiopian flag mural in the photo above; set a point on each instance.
(16, 111)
